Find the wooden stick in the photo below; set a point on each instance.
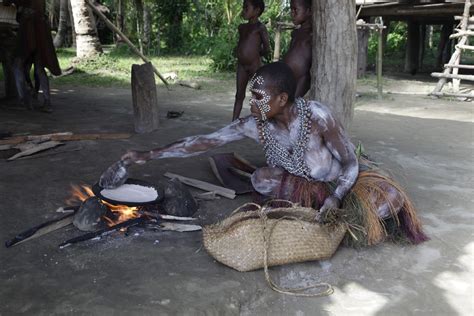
(62, 137)
(192, 85)
(41, 229)
(450, 76)
(447, 94)
(468, 47)
(459, 66)
(178, 227)
(36, 149)
(459, 17)
(461, 33)
(228, 193)
(103, 232)
(126, 40)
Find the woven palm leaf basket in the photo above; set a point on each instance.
(264, 237)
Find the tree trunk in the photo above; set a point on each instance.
(413, 48)
(71, 20)
(139, 21)
(334, 69)
(87, 41)
(60, 37)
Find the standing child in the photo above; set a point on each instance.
(299, 54)
(253, 43)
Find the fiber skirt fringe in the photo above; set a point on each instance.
(360, 209)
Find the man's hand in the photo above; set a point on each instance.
(330, 203)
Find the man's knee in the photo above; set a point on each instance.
(267, 180)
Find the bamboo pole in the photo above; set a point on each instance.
(379, 62)
(129, 43)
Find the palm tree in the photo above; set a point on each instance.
(87, 40)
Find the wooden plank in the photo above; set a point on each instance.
(62, 137)
(228, 193)
(40, 230)
(450, 76)
(36, 149)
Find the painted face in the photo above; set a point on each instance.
(249, 11)
(299, 12)
(260, 99)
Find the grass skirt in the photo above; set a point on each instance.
(360, 212)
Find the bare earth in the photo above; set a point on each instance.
(427, 144)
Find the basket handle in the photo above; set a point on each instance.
(268, 203)
(290, 291)
(239, 209)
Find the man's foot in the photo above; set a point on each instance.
(27, 103)
(46, 107)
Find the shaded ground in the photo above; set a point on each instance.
(427, 144)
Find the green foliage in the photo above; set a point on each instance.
(223, 49)
(225, 43)
(396, 41)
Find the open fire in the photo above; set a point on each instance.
(80, 193)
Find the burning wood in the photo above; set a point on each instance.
(120, 213)
(103, 232)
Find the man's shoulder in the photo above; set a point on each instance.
(321, 112)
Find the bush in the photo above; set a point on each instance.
(223, 48)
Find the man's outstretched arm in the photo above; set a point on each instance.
(198, 144)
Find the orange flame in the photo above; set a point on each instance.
(80, 193)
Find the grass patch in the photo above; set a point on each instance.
(113, 68)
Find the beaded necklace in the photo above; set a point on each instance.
(278, 155)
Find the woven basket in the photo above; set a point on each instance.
(291, 235)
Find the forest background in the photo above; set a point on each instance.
(193, 38)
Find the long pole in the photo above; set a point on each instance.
(129, 43)
(379, 61)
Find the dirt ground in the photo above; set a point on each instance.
(427, 144)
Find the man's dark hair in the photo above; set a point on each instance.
(260, 4)
(279, 78)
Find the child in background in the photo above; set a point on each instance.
(253, 43)
(299, 55)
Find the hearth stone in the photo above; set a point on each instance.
(89, 216)
(178, 200)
